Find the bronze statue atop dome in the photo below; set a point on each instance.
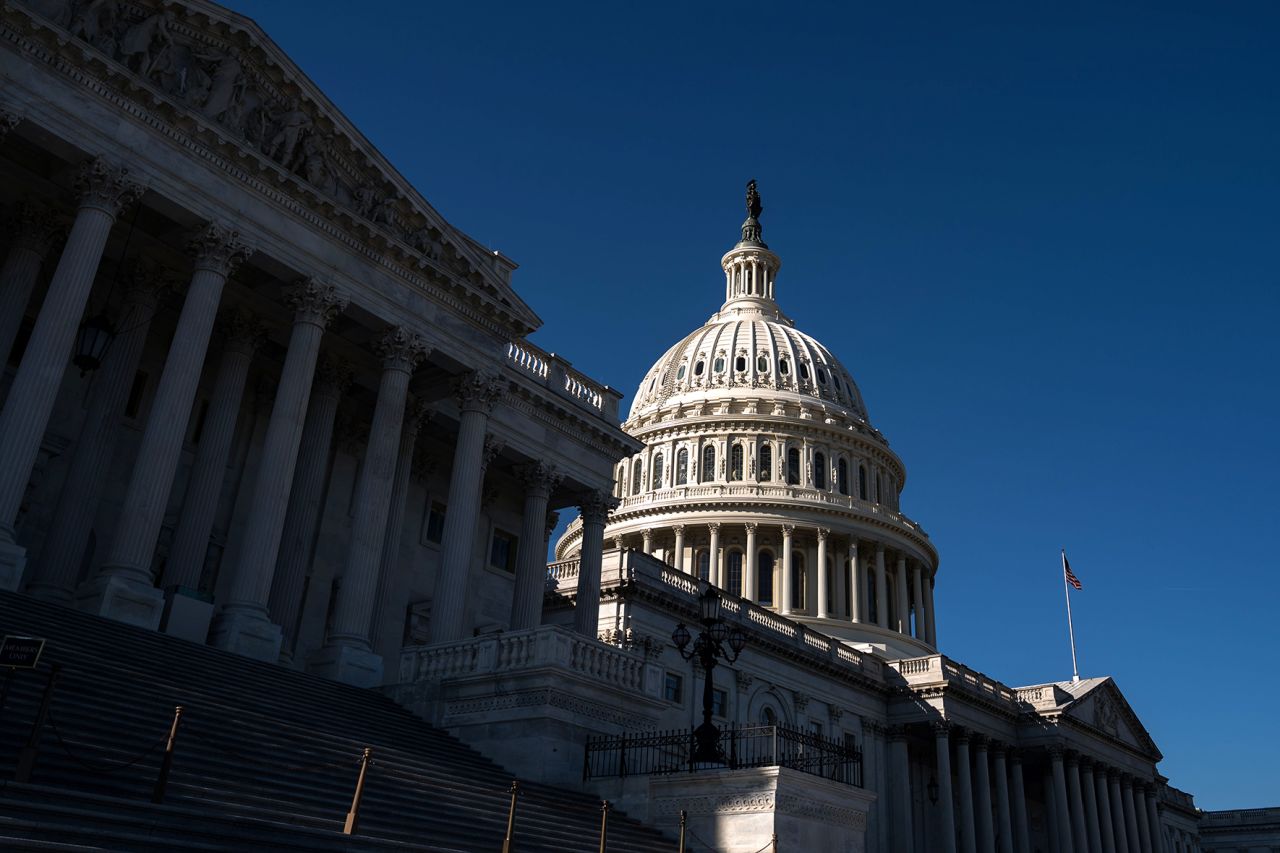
(754, 208)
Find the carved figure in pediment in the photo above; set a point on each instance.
(147, 42)
(179, 74)
(226, 88)
(425, 242)
(367, 200)
(95, 22)
(316, 167)
(291, 124)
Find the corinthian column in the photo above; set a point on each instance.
(1089, 792)
(784, 604)
(901, 787)
(931, 628)
(1004, 818)
(1018, 786)
(855, 584)
(715, 576)
(539, 480)
(103, 193)
(679, 547)
(1117, 813)
(242, 335)
(903, 597)
(476, 394)
(917, 599)
(822, 611)
(595, 508)
(750, 584)
(347, 655)
(946, 800)
(964, 776)
(33, 231)
(1062, 819)
(1103, 797)
(59, 566)
(306, 500)
(1131, 829)
(123, 588)
(982, 796)
(245, 625)
(1153, 819)
(882, 590)
(1078, 827)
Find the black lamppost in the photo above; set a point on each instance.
(715, 640)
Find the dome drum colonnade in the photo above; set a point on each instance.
(759, 454)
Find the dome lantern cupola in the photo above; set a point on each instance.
(749, 267)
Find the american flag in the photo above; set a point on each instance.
(1068, 574)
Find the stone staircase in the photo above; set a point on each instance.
(266, 758)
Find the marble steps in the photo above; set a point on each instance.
(116, 697)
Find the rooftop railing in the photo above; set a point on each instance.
(559, 376)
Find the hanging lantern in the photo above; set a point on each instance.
(91, 343)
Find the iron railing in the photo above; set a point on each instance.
(654, 753)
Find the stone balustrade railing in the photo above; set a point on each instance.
(564, 570)
(558, 375)
(515, 651)
(1234, 817)
(934, 668)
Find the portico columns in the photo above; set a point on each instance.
(64, 546)
(822, 610)
(32, 234)
(714, 575)
(123, 588)
(306, 500)
(347, 655)
(1078, 831)
(1090, 794)
(750, 589)
(539, 480)
(903, 597)
(785, 573)
(595, 508)
(964, 777)
(901, 789)
(882, 592)
(646, 540)
(243, 336)
(679, 547)
(917, 600)
(476, 393)
(1146, 833)
(1103, 797)
(1117, 813)
(103, 193)
(855, 584)
(1063, 818)
(1153, 819)
(946, 800)
(1132, 832)
(1004, 826)
(930, 626)
(1021, 830)
(982, 782)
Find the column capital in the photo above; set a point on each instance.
(477, 391)
(400, 349)
(1126, 781)
(1056, 751)
(751, 527)
(897, 734)
(979, 741)
(35, 227)
(241, 330)
(941, 728)
(1072, 758)
(493, 445)
(595, 505)
(713, 526)
(853, 547)
(998, 748)
(879, 549)
(333, 375)
(678, 529)
(787, 530)
(315, 302)
(963, 735)
(217, 249)
(106, 187)
(823, 532)
(539, 478)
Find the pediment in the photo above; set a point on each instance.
(223, 73)
(1101, 705)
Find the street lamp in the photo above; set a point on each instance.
(716, 640)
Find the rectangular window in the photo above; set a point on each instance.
(816, 728)
(719, 703)
(673, 688)
(435, 523)
(502, 551)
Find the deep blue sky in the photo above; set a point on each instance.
(1042, 240)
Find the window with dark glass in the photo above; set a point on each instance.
(766, 463)
(862, 482)
(793, 467)
(680, 372)
(733, 583)
(719, 703)
(735, 462)
(637, 474)
(819, 471)
(764, 578)
(740, 363)
(784, 367)
(797, 581)
(704, 565)
(708, 471)
(435, 523)
(682, 466)
(762, 364)
(822, 376)
(697, 369)
(657, 471)
(842, 477)
(502, 551)
(804, 370)
(718, 367)
(673, 688)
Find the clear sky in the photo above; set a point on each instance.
(1043, 239)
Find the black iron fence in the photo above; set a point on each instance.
(740, 747)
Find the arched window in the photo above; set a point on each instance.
(657, 471)
(708, 472)
(740, 363)
(718, 367)
(637, 473)
(793, 467)
(804, 370)
(766, 463)
(879, 492)
(733, 583)
(768, 717)
(764, 578)
(680, 372)
(819, 470)
(797, 581)
(682, 466)
(617, 483)
(704, 565)
(653, 383)
(862, 482)
(784, 366)
(735, 462)
(842, 477)
(762, 364)
(697, 368)
(822, 376)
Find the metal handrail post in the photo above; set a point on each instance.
(166, 761)
(604, 825)
(29, 751)
(353, 816)
(514, 791)
(684, 820)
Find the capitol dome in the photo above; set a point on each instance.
(759, 454)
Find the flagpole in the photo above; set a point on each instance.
(1071, 630)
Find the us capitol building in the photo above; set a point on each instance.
(260, 394)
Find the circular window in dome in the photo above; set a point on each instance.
(822, 376)
(697, 369)
(804, 370)
(740, 363)
(680, 372)
(762, 364)
(719, 364)
(784, 367)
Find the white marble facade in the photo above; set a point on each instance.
(318, 431)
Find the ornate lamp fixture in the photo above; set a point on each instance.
(92, 340)
(716, 641)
